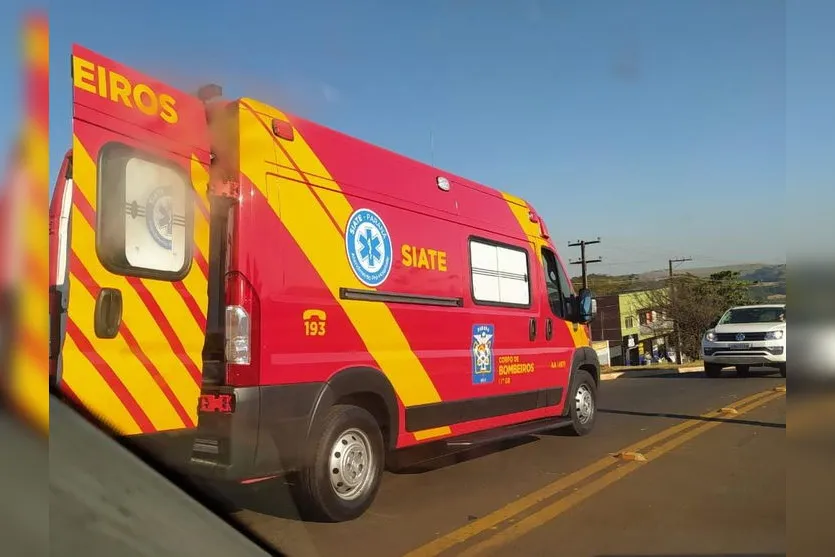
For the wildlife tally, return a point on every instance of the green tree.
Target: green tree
(695, 304)
(728, 288)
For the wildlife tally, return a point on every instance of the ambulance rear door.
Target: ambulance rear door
(136, 249)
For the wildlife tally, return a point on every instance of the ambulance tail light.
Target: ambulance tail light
(242, 331)
(238, 336)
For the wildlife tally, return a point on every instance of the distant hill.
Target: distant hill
(769, 281)
(749, 271)
(767, 273)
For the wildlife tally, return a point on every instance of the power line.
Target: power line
(583, 261)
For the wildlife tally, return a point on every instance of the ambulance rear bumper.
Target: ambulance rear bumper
(261, 432)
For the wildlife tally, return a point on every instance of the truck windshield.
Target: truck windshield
(754, 315)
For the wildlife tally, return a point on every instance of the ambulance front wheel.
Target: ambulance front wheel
(347, 466)
(582, 403)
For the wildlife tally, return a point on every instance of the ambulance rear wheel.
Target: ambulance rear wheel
(347, 466)
(582, 403)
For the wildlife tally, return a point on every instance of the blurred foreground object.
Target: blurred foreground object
(810, 488)
(24, 524)
(24, 199)
(24, 513)
(105, 501)
(813, 314)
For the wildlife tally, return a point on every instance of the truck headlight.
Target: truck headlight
(774, 335)
(710, 336)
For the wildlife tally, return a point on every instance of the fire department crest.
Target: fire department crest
(483, 358)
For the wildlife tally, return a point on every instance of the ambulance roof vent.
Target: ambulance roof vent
(443, 183)
(209, 92)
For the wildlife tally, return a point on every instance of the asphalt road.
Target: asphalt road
(712, 484)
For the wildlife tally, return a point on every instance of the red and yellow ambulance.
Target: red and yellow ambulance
(294, 299)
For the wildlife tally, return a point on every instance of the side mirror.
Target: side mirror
(586, 306)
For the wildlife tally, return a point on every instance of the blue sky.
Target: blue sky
(659, 126)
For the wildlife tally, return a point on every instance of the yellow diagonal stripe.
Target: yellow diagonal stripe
(96, 395)
(136, 318)
(36, 45)
(520, 210)
(36, 139)
(124, 363)
(323, 244)
(30, 386)
(136, 315)
(200, 178)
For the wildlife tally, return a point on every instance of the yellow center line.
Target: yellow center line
(519, 506)
(553, 510)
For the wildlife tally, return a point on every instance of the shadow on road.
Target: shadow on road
(270, 497)
(428, 458)
(693, 555)
(274, 497)
(727, 374)
(675, 416)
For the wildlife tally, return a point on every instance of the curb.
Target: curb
(649, 372)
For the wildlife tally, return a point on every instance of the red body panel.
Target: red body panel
(417, 213)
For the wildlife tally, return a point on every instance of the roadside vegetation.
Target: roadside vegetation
(695, 304)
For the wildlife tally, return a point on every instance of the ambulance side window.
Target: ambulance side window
(557, 284)
(499, 274)
(145, 215)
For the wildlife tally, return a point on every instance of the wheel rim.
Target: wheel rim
(352, 464)
(584, 403)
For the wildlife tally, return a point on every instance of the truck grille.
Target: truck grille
(731, 337)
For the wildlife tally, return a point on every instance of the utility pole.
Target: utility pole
(673, 300)
(583, 261)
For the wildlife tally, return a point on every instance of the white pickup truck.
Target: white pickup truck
(746, 336)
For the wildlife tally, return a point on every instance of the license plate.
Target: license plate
(217, 402)
(739, 346)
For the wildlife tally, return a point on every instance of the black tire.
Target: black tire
(581, 422)
(783, 371)
(713, 370)
(316, 496)
(743, 371)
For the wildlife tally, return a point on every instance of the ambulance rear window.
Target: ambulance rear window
(145, 214)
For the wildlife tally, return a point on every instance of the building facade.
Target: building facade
(636, 333)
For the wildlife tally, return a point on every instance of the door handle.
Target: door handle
(108, 316)
(532, 329)
(549, 328)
